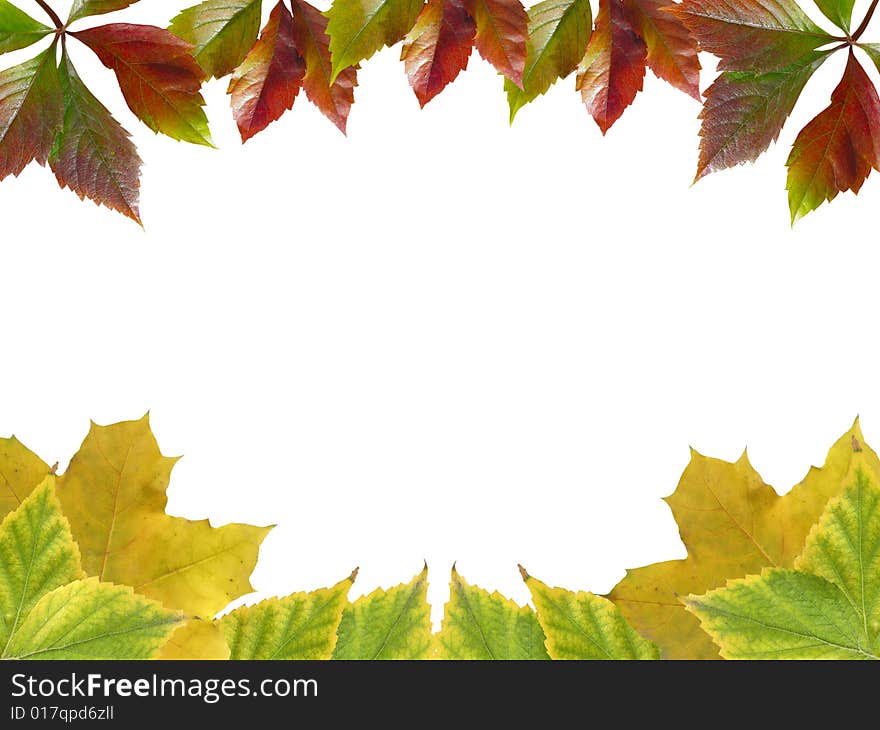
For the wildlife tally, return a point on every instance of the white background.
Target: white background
(442, 337)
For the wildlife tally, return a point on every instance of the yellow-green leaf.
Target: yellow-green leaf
(21, 470)
(196, 638)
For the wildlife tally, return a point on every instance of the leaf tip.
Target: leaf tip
(523, 572)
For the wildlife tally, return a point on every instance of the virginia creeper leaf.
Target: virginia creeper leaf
(873, 51)
(559, 31)
(267, 82)
(93, 155)
(584, 626)
(85, 8)
(359, 28)
(18, 29)
(438, 47)
(30, 112)
(827, 609)
(196, 638)
(333, 96)
(733, 525)
(836, 151)
(113, 493)
(21, 470)
(298, 626)
(502, 35)
(480, 625)
(672, 50)
(158, 76)
(392, 624)
(221, 32)
(611, 73)
(838, 12)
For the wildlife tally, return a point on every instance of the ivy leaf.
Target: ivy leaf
(93, 155)
(584, 626)
(30, 112)
(611, 73)
(221, 32)
(113, 493)
(480, 625)
(86, 8)
(157, 75)
(21, 471)
(559, 31)
(392, 624)
(438, 47)
(333, 95)
(196, 638)
(298, 626)
(267, 83)
(358, 29)
(836, 151)
(502, 35)
(827, 609)
(18, 29)
(733, 525)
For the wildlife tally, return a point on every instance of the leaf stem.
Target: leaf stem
(59, 25)
(864, 24)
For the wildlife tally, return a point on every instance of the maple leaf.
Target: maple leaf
(480, 625)
(558, 37)
(502, 35)
(113, 493)
(18, 29)
(828, 608)
(267, 83)
(49, 610)
(298, 626)
(392, 624)
(584, 626)
(438, 47)
(733, 525)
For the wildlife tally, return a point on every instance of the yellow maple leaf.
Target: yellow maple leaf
(21, 470)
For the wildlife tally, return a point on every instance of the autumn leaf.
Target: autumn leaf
(220, 31)
(584, 626)
(838, 12)
(392, 624)
(157, 75)
(438, 47)
(836, 151)
(195, 639)
(21, 470)
(733, 525)
(502, 35)
(267, 83)
(85, 8)
(482, 625)
(18, 29)
(358, 29)
(93, 155)
(113, 493)
(298, 626)
(829, 608)
(559, 31)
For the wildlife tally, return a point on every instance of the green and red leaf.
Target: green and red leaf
(158, 76)
(268, 81)
(18, 29)
(613, 70)
(838, 149)
(333, 96)
(438, 47)
(86, 8)
(502, 35)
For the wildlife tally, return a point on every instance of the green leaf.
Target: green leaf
(838, 12)
(221, 31)
(86, 8)
(830, 613)
(358, 29)
(298, 626)
(585, 626)
(559, 31)
(393, 624)
(18, 29)
(873, 51)
(480, 625)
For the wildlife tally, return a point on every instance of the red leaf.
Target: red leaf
(437, 49)
(268, 80)
(333, 99)
(612, 72)
(502, 33)
(157, 74)
(836, 151)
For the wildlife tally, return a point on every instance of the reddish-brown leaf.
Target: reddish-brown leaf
(672, 50)
(837, 150)
(613, 69)
(502, 34)
(157, 74)
(335, 98)
(268, 80)
(437, 49)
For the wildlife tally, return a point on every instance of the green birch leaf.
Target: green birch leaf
(18, 29)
